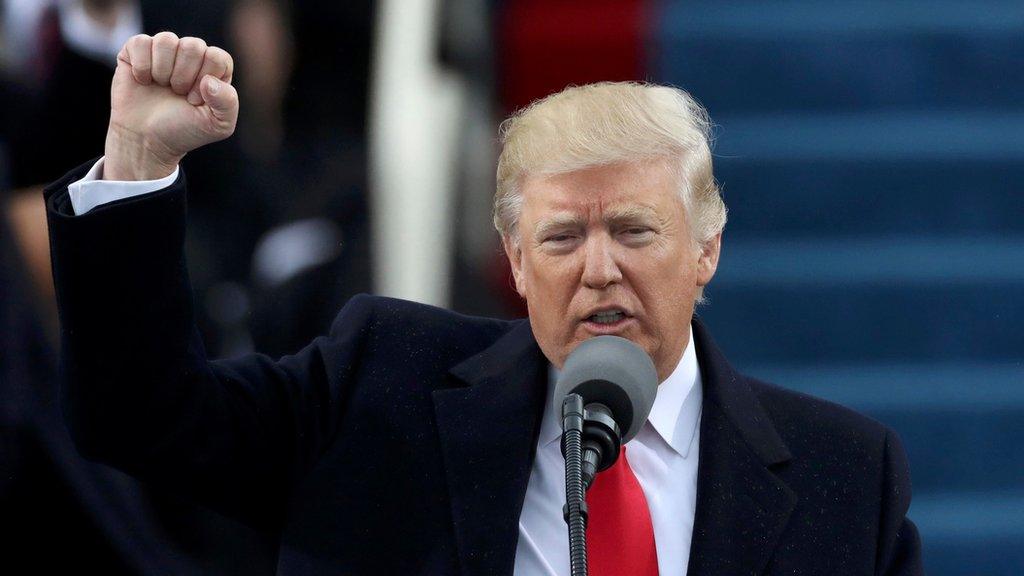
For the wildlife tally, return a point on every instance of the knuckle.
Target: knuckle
(138, 42)
(192, 46)
(165, 40)
(218, 56)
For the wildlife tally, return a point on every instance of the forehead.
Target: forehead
(634, 187)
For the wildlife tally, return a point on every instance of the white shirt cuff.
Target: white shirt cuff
(91, 191)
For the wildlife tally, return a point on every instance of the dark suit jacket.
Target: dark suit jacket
(61, 514)
(401, 443)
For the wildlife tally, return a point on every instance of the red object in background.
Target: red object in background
(546, 45)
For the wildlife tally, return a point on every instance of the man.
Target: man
(417, 441)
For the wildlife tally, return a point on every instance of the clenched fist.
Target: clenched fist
(169, 96)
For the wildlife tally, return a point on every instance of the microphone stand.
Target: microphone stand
(590, 443)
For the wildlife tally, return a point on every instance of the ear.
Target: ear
(707, 263)
(515, 258)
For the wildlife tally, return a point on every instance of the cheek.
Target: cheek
(552, 283)
(667, 290)
(550, 278)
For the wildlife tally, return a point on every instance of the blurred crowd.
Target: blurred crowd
(278, 239)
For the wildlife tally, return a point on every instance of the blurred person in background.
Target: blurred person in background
(62, 513)
(290, 259)
(316, 254)
(71, 46)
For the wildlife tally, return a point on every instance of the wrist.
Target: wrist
(129, 157)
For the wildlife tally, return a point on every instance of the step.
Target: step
(962, 424)
(909, 135)
(870, 173)
(860, 197)
(872, 300)
(737, 56)
(908, 262)
(963, 533)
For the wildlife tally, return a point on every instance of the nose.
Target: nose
(600, 268)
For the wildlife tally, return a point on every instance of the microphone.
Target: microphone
(607, 385)
(616, 382)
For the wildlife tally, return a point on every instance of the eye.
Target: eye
(560, 242)
(636, 234)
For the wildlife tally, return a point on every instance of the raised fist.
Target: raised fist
(169, 96)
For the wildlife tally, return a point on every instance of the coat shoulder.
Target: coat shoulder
(412, 331)
(851, 480)
(809, 424)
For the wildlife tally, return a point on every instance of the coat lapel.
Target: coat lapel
(742, 506)
(488, 423)
(488, 427)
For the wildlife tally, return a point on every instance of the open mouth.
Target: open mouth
(608, 317)
(608, 321)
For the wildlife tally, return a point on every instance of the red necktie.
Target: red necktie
(620, 537)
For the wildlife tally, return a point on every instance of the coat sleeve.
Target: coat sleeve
(899, 546)
(138, 390)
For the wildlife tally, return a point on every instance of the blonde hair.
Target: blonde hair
(604, 123)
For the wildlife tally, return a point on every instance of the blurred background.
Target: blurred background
(870, 154)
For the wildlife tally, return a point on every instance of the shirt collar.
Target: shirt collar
(676, 410)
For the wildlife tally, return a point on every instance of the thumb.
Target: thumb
(221, 97)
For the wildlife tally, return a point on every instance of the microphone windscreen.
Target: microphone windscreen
(615, 372)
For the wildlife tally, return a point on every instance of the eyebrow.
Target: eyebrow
(613, 216)
(629, 213)
(558, 222)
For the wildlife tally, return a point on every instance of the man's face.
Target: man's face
(607, 250)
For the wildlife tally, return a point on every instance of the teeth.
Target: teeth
(607, 317)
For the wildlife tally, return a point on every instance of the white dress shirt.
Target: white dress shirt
(663, 455)
(91, 191)
(664, 458)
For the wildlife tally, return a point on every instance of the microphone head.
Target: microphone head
(615, 372)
